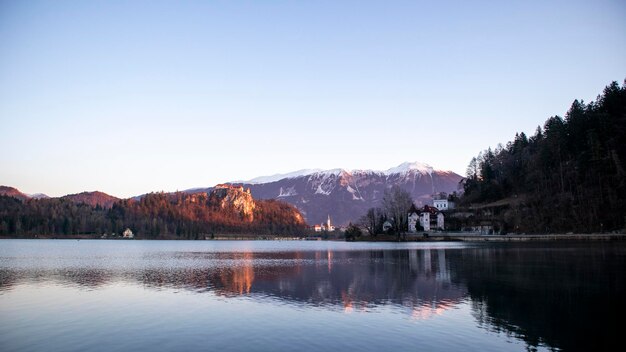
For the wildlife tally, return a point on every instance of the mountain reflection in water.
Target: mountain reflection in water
(418, 279)
(565, 296)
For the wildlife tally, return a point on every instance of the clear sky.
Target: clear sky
(128, 97)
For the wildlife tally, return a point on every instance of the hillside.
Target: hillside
(569, 176)
(93, 198)
(226, 209)
(13, 192)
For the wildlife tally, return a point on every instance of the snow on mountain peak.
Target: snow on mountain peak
(400, 169)
(278, 177)
(335, 172)
(410, 166)
(39, 196)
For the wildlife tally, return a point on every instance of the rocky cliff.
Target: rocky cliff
(234, 198)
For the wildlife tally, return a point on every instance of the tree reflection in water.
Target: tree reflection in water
(567, 296)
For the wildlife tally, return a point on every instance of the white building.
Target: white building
(443, 204)
(425, 220)
(128, 234)
(387, 225)
(328, 226)
(430, 218)
(413, 219)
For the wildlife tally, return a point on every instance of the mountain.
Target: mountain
(92, 198)
(226, 210)
(346, 195)
(278, 177)
(13, 192)
(89, 198)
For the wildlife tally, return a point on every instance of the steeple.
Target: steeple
(328, 222)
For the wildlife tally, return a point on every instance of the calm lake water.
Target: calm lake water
(68, 295)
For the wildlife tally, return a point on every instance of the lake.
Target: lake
(99, 295)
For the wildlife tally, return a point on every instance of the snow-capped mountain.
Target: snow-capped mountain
(402, 168)
(346, 195)
(408, 167)
(278, 177)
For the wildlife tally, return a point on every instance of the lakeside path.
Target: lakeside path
(518, 238)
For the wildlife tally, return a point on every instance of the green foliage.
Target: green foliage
(568, 176)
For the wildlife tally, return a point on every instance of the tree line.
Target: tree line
(155, 215)
(569, 176)
(394, 208)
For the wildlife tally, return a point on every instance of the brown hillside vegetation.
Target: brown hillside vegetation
(93, 198)
(13, 192)
(155, 215)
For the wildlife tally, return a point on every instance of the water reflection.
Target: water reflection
(348, 280)
(564, 296)
(567, 296)
(345, 280)
(237, 279)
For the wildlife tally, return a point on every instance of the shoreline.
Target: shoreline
(220, 237)
(517, 238)
(473, 237)
(431, 237)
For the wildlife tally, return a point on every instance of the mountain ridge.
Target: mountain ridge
(90, 198)
(403, 167)
(93, 198)
(345, 195)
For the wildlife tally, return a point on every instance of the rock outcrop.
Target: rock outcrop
(234, 198)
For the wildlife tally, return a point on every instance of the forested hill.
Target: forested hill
(156, 215)
(569, 176)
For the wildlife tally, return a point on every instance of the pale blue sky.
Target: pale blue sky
(129, 97)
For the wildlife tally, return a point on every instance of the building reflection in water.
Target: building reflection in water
(346, 280)
(350, 280)
(542, 295)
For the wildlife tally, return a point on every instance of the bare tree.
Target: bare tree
(396, 204)
(373, 221)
